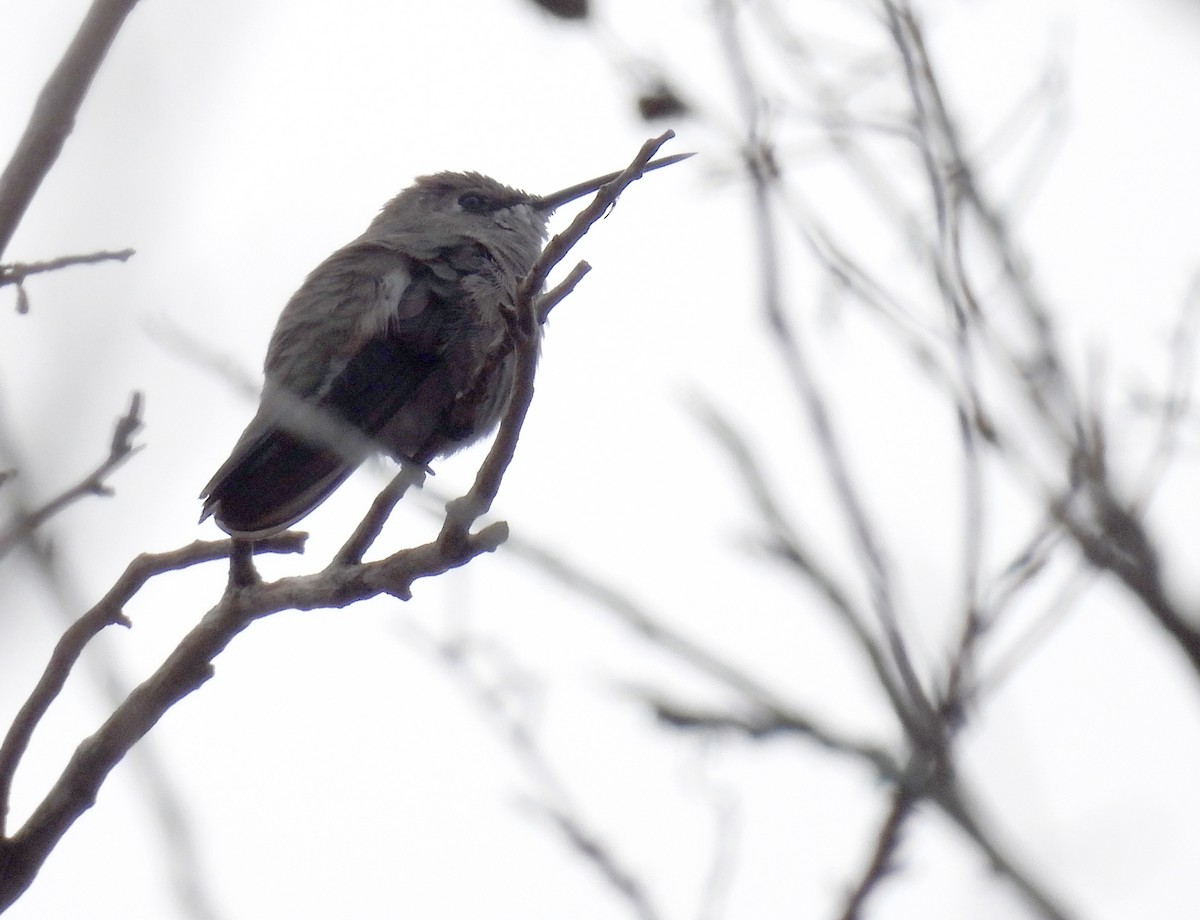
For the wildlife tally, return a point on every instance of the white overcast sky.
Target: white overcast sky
(333, 767)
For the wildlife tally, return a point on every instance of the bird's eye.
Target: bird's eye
(474, 203)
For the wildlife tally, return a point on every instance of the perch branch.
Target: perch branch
(109, 611)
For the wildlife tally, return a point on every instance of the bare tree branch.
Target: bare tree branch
(911, 706)
(552, 800)
(479, 499)
(767, 724)
(596, 854)
(187, 668)
(95, 483)
(17, 272)
(879, 865)
(53, 117)
(931, 722)
(107, 612)
(787, 544)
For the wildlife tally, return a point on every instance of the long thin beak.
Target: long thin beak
(558, 199)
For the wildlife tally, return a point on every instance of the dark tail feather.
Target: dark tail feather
(274, 484)
(276, 478)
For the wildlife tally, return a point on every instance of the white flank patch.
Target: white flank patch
(385, 309)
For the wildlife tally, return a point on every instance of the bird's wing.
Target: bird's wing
(354, 343)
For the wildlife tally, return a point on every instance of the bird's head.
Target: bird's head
(455, 205)
(469, 204)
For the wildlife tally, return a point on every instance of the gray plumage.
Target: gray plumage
(383, 347)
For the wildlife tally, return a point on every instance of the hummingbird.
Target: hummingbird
(388, 346)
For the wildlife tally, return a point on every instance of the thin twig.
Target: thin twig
(1178, 400)
(768, 723)
(53, 117)
(94, 483)
(465, 511)
(772, 712)
(951, 801)
(930, 728)
(596, 854)
(879, 865)
(787, 544)
(562, 243)
(17, 272)
(369, 528)
(911, 706)
(553, 297)
(554, 802)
